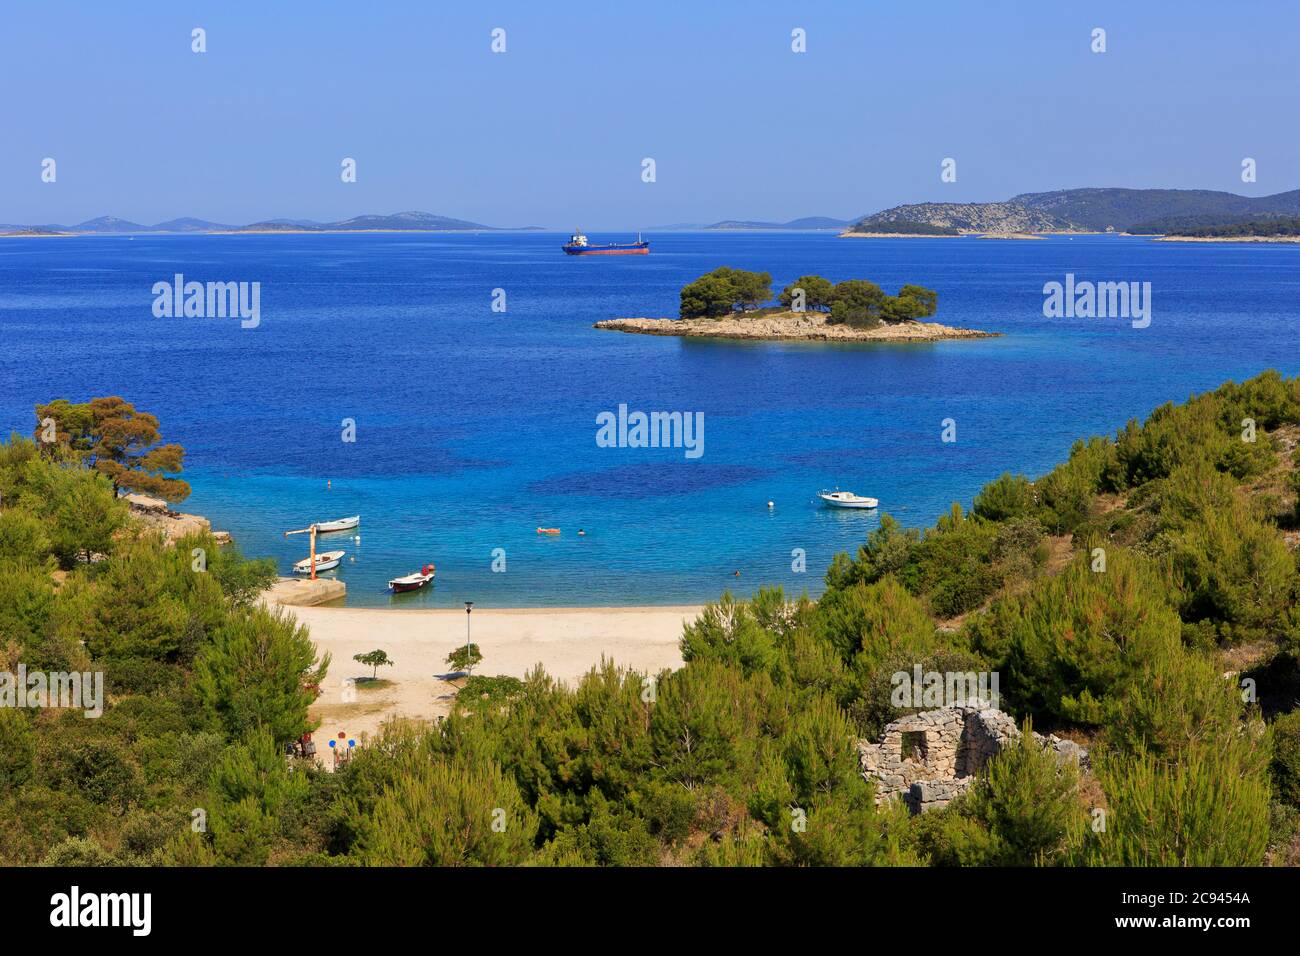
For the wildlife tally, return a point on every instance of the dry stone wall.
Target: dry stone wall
(929, 758)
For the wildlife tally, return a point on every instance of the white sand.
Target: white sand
(568, 642)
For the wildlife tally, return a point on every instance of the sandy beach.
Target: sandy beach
(566, 641)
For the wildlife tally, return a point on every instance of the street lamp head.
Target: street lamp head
(469, 606)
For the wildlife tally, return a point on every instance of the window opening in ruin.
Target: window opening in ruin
(914, 745)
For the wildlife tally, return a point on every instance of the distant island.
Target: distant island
(902, 228)
(1280, 229)
(1132, 211)
(397, 222)
(728, 303)
(803, 224)
(807, 224)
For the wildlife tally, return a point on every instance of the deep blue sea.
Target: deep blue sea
(474, 427)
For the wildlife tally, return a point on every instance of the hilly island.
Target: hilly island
(397, 222)
(1199, 213)
(1134, 211)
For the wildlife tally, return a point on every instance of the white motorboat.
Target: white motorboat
(846, 499)
(339, 524)
(325, 561)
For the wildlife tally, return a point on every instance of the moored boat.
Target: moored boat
(846, 499)
(339, 524)
(579, 246)
(412, 582)
(325, 561)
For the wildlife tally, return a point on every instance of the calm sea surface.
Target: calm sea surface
(474, 427)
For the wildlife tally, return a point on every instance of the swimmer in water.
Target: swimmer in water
(580, 531)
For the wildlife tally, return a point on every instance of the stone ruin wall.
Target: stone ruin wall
(930, 758)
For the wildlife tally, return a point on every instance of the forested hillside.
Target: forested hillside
(1090, 210)
(1141, 598)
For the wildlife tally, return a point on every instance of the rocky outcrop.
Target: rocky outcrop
(174, 525)
(805, 326)
(930, 758)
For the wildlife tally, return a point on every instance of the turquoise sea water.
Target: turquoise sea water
(473, 427)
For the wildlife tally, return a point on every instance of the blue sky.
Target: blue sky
(553, 131)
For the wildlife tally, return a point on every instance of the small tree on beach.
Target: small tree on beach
(375, 660)
(465, 657)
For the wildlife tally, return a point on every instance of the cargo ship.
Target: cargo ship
(579, 246)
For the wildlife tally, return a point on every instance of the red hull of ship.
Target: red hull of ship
(402, 588)
(643, 251)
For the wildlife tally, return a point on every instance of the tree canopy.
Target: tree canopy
(115, 439)
(725, 290)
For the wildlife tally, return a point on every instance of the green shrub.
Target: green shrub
(78, 852)
(729, 632)
(17, 748)
(1065, 494)
(1208, 808)
(449, 813)
(1286, 758)
(1072, 643)
(255, 674)
(888, 550)
(1008, 496)
(1178, 697)
(869, 623)
(1028, 802)
(1229, 567)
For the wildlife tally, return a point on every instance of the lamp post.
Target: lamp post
(469, 606)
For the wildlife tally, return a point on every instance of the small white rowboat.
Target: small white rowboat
(341, 524)
(325, 561)
(846, 499)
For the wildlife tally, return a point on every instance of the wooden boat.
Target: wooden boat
(339, 524)
(412, 582)
(548, 530)
(325, 561)
(846, 499)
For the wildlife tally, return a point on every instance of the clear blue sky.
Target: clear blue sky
(553, 131)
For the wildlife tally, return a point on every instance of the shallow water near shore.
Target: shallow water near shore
(474, 427)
